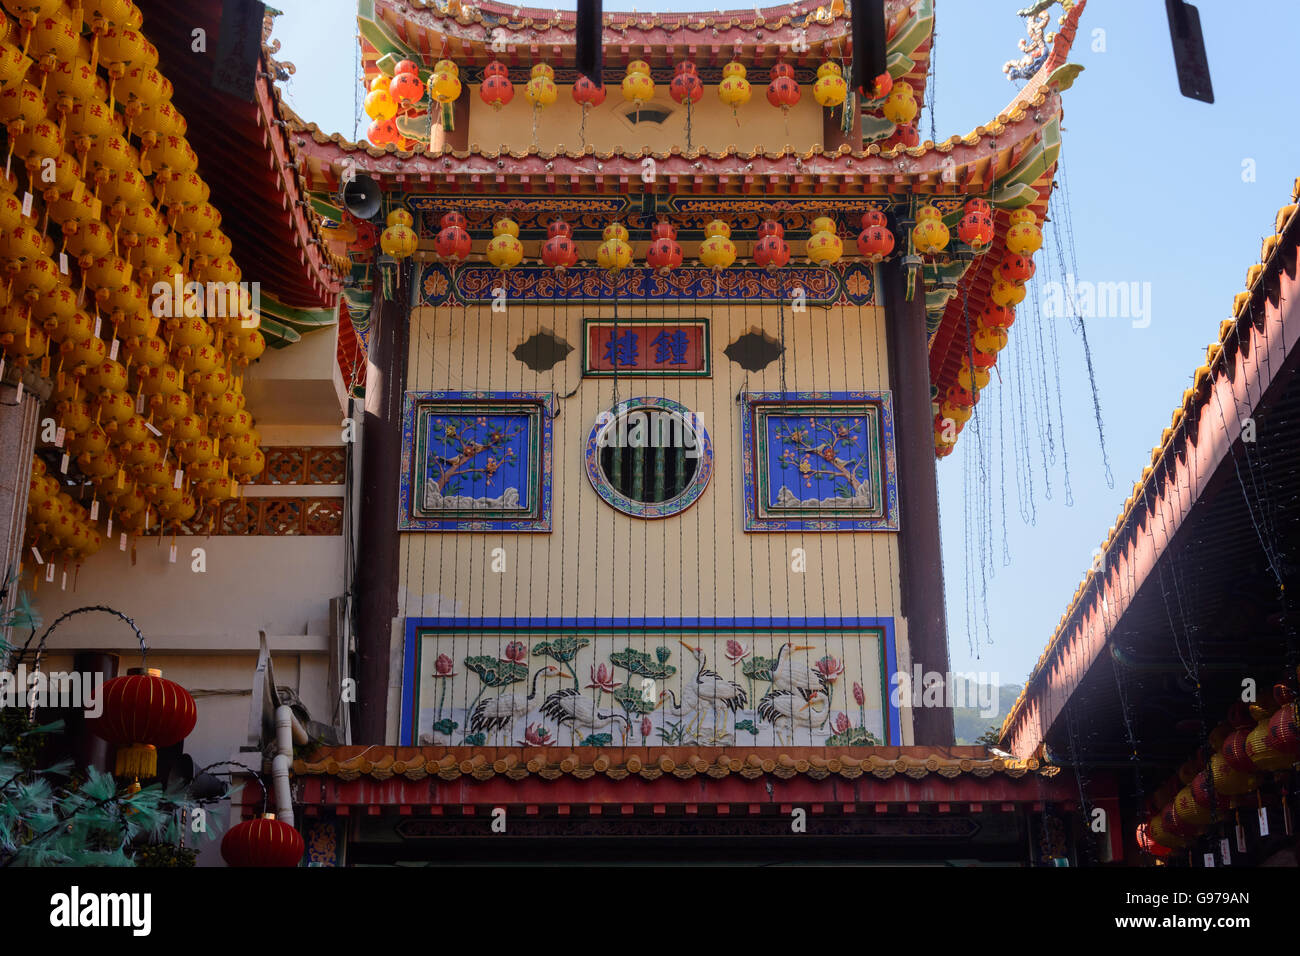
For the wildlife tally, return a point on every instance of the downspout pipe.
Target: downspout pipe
(288, 731)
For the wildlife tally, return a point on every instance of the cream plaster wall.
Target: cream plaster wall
(762, 125)
(599, 562)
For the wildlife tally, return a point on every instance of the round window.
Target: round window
(649, 457)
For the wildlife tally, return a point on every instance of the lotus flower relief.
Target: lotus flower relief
(830, 668)
(859, 695)
(841, 722)
(646, 728)
(444, 667)
(602, 677)
(516, 651)
(736, 651)
(536, 735)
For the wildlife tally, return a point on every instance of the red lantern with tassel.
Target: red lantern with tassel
(783, 91)
(496, 90)
(453, 243)
(997, 316)
(875, 241)
(771, 251)
(976, 226)
(266, 842)
(664, 254)
(587, 94)
(140, 713)
(560, 252)
(1017, 268)
(686, 85)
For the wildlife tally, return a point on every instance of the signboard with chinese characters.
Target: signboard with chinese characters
(646, 348)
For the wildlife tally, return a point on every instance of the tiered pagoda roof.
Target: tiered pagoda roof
(1010, 160)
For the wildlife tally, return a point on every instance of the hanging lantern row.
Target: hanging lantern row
(664, 254)
(150, 407)
(390, 96)
(1256, 740)
(989, 335)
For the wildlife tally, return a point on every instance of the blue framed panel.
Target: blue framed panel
(476, 461)
(819, 461)
(583, 681)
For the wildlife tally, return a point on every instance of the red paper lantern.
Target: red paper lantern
(664, 253)
(875, 241)
(142, 712)
(771, 251)
(383, 132)
(267, 842)
(559, 252)
(997, 316)
(453, 242)
(1284, 726)
(904, 134)
(783, 91)
(976, 225)
(1017, 268)
(587, 93)
(406, 86)
(496, 90)
(686, 85)
(1149, 845)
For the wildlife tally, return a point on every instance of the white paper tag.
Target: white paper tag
(1209, 859)
(109, 532)
(1241, 838)
(63, 262)
(139, 404)
(171, 554)
(63, 464)
(18, 394)
(94, 510)
(64, 585)
(59, 436)
(112, 350)
(121, 544)
(1286, 817)
(150, 426)
(98, 322)
(2, 366)
(1224, 852)
(1263, 821)
(49, 571)
(27, 205)
(37, 555)
(179, 479)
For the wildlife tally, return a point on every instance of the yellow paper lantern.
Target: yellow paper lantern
(1024, 236)
(824, 245)
(734, 90)
(717, 251)
(900, 106)
(638, 85)
(380, 105)
(929, 235)
(614, 254)
(504, 250)
(830, 90)
(540, 89)
(444, 85)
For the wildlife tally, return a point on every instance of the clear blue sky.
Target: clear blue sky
(1156, 195)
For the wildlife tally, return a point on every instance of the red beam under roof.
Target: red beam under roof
(246, 157)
